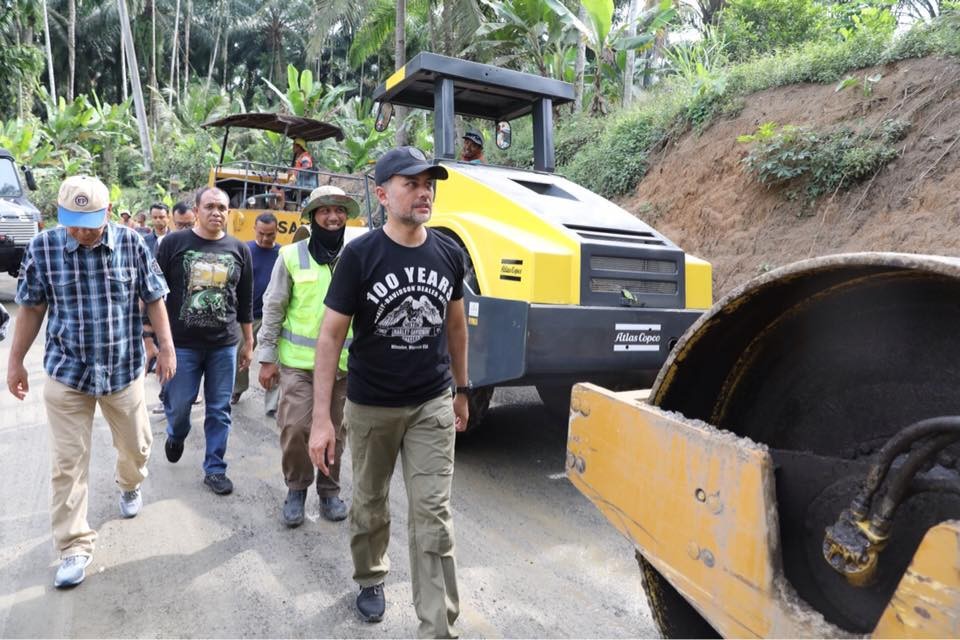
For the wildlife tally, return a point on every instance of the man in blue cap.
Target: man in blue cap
(90, 275)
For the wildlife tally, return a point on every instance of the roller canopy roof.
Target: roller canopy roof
(480, 90)
(291, 126)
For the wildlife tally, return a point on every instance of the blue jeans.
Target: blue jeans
(216, 367)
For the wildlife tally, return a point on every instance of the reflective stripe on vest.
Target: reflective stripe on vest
(301, 325)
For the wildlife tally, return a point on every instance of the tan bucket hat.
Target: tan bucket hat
(331, 195)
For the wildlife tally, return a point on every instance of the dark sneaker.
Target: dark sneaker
(293, 507)
(71, 571)
(219, 483)
(235, 398)
(173, 450)
(333, 509)
(371, 604)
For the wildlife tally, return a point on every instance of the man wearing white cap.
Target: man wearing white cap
(292, 312)
(90, 275)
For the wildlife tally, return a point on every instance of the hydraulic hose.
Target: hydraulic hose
(900, 483)
(895, 446)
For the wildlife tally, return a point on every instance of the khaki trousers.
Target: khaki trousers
(70, 414)
(294, 418)
(424, 437)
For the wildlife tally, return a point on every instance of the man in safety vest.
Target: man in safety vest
(292, 311)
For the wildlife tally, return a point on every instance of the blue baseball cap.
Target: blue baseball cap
(83, 202)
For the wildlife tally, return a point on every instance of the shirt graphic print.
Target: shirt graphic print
(411, 306)
(206, 302)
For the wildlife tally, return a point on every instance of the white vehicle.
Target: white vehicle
(20, 221)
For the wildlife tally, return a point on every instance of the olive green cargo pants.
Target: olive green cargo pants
(424, 437)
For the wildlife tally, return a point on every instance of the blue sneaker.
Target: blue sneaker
(71, 571)
(130, 503)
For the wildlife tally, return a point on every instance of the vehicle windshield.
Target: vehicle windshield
(9, 182)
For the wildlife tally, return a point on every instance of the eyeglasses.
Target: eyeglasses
(183, 225)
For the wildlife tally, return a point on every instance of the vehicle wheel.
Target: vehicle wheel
(674, 616)
(556, 399)
(479, 403)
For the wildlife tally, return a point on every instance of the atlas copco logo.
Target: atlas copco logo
(636, 337)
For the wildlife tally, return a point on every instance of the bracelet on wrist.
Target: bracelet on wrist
(149, 334)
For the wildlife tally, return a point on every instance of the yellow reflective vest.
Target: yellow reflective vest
(301, 324)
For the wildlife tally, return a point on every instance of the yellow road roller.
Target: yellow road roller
(793, 471)
(563, 285)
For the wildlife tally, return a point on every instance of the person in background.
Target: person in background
(210, 306)
(473, 147)
(264, 251)
(141, 224)
(126, 221)
(303, 163)
(184, 217)
(87, 277)
(159, 219)
(292, 312)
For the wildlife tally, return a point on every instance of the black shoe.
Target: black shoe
(235, 398)
(371, 604)
(219, 483)
(173, 450)
(333, 509)
(293, 507)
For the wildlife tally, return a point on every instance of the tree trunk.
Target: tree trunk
(213, 56)
(226, 51)
(171, 87)
(153, 65)
(71, 47)
(400, 58)
(580, 65)
(447, 21)
(135, 85)
(123, 69)
(432, 29)
(46, 36)
(186, 46)
(630, 65)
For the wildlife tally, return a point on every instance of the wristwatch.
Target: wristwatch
(458, 390)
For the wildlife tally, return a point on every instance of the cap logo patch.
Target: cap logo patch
(81, 200)
(416, 153)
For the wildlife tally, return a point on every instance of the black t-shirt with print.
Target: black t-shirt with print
(211, 288)
(398, 299)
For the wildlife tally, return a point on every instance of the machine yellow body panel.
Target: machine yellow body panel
(698, 282)
(927, 601)
(517, 255)
(700, 505)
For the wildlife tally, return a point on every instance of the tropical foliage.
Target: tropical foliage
(72, 110)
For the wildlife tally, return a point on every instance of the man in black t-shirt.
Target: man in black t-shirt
(402, 287)
(210, 305)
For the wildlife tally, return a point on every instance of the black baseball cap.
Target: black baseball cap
(405, 161)
(474, 136)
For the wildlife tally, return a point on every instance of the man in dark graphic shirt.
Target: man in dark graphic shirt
(210, 305)
(402, 287)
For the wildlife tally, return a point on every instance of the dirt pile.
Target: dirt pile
(699, 194)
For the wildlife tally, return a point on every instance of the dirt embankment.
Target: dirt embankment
(698, 193)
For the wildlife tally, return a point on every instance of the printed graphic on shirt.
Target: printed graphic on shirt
(411, 305)
(208, 277)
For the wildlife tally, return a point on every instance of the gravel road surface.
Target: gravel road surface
(536, 559)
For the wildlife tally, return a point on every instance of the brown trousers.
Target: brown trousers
(294, 417)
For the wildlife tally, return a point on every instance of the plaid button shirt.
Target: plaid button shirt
(94, 327)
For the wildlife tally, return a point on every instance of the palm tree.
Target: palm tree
(604, 41)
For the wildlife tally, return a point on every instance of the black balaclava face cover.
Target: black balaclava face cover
(324, 245)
